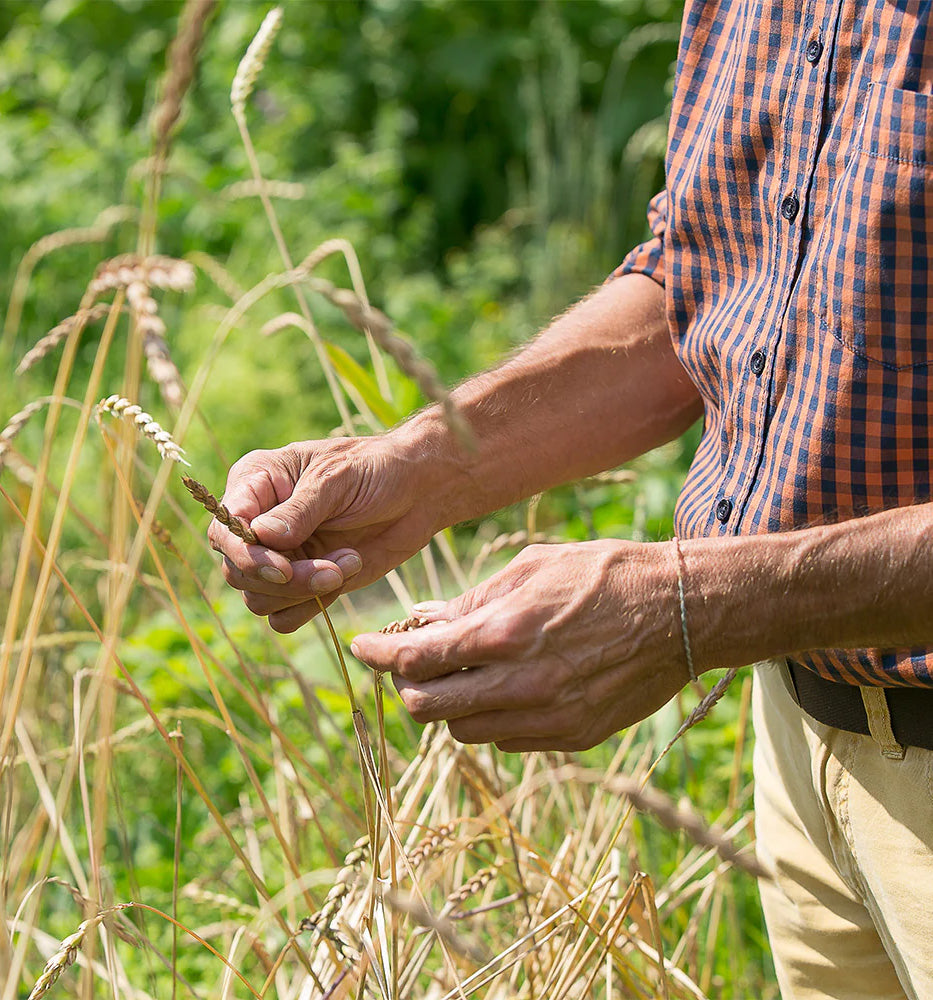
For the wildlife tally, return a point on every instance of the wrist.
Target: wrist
(751, 598)
(440, 469)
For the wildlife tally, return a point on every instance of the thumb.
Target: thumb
(292, 522)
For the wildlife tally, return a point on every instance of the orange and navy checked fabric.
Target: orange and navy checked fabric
(794, 240)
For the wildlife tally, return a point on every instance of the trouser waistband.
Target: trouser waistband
(843, 707)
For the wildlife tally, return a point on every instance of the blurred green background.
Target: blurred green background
(489, 161)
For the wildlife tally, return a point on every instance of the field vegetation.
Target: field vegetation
(215, 240)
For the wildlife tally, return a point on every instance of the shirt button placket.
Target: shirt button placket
(723, 510)
(790, 206)
(813, 51)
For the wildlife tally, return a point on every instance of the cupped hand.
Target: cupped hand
(565, 646)
(331, 516)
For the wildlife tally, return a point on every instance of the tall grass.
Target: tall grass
(191, 805)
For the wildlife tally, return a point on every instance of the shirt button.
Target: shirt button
(723, 510)
(814, 51)
(790, 206)
(757, 362)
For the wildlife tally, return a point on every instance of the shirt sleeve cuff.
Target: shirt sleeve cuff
(648, 257)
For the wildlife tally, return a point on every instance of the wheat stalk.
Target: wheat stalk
(253, 60)
(120, 407)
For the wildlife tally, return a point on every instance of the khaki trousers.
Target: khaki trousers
(847, 835)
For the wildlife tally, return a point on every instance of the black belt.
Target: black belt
(841, 706)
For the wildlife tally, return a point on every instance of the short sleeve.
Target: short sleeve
(648, 258)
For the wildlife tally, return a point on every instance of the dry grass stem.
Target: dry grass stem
(210, 503)
(254, 59)
(121, 407)
(367, 318)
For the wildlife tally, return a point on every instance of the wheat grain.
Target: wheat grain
(210, 503)
(155, 347)
(121, 407)
(59, 333)
(476, 883)
(68, 952)
(431, 845)
(254, 59)
(404, 625)
(324, 921)
(156, 270)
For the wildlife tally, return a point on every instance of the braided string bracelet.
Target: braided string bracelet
(683, 609)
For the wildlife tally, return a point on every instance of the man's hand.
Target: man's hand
(331, 515)
(562, 648)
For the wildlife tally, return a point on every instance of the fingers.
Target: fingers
(291, 619)
(469, 692)
(305, 577)
(486, 635)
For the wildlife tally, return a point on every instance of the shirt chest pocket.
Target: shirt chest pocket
(875, 261)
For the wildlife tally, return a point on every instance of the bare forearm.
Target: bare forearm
(864, 583)
(600, 386)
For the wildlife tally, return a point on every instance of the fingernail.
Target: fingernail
(349, 564)
(427, 607)
(354, 649)
(270, 523)
(325, 580)
(271, 574)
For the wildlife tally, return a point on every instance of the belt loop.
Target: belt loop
(879, 722)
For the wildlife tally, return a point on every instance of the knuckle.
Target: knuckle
(410, 662)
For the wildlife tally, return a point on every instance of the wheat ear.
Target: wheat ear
(68, 952)
(324, 921)
(367, 318)
(253, 60)
(120, 406)
(675, 817)
(210, 503)
(97, 232)
(59, 333)
(182, 59)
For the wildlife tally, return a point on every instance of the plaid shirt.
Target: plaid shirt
(794, 242)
